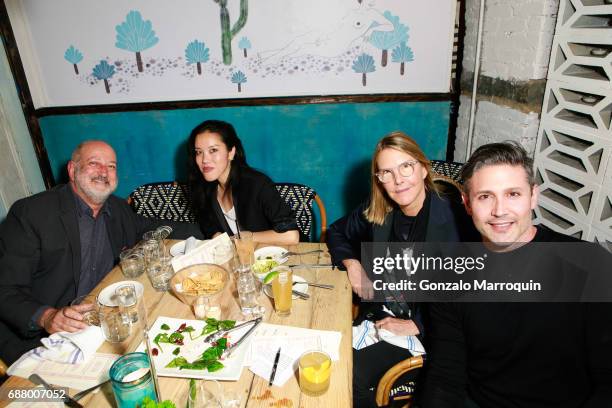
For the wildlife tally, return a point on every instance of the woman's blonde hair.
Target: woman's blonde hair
(380, 203)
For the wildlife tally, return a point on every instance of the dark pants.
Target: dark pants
(12, 346)
(369, 365)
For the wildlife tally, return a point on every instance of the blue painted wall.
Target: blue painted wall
(325, 146)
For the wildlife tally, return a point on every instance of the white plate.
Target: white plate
(179, 248)
(107, 295)
(273, 252)
(194, 348)
(300, 287)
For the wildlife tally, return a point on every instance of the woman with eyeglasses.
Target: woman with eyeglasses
(403, 207)
(229, 195)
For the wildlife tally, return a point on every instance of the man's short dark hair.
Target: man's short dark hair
(510, 153)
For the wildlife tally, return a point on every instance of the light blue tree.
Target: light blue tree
(239, 78)
(363, 65)
(73, 56)
(103, 71)
(244, 44)
(197, 53)
(386, 40)
(135, 35)
(402, 54)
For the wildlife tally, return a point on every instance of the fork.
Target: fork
(291, 253)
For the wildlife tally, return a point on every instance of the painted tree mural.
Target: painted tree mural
(239, 78)
(103, 71)
(197, 53)
(402, 54)
(244, 44)
(364, 64)
(386, 40)
(73, 56)
(135, 35)
(228, 34)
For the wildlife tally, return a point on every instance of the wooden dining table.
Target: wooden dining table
(325, 310)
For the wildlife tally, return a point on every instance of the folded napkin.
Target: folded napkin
(367, 334)
(65, 347)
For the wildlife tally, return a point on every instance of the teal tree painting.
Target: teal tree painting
(364, 64)
(197, 53)
(244, 44)
(386, 40)
(103, 72)
(228, 34)
(402, 54)
(135, 35)
(239, 78)
(73, 56)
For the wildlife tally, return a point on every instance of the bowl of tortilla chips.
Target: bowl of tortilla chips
(200, 280)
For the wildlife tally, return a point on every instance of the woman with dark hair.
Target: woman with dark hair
(404, 206)
(228, 195)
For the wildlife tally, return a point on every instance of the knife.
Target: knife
(326, 266)
(37, 379)
(301, 295)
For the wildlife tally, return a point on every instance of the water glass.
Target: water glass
(127, 299)
(282, 286)
(115, 328)
(248, 292)
(204, 394)
(132, 263)
(151, 252)
(160, 271)
(90, 316)
(130, 394)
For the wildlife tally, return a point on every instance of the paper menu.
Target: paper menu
(264, 363)
(206, 253)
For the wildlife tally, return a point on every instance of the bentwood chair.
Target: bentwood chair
(165, 201)
(392, 390)
(301, 198)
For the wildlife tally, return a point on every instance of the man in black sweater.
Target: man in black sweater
(515, 354)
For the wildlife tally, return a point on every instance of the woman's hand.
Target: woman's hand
(400, 327)
(360, 282)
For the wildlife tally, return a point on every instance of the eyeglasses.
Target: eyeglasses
(405, 169)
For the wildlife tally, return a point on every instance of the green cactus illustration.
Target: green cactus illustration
(228, 34)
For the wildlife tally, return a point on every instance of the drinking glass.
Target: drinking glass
(282, 285)
(114, 326)
(248, 292)
(245, 247)
(127, 299)
(150, 249)
(90, 316)
(204, 394)
(314, 372)
(160, 271)
(132, 263)
(131, 393)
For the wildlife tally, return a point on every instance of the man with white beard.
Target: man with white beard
(58, 244)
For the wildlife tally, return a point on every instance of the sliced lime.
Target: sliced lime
(270, 277)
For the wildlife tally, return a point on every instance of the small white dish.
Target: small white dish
(271, 252)
(302, 286)
(107, 295)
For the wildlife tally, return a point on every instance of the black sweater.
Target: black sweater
(520, 354)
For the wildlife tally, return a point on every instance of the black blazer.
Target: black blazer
(258, 205)
(40, 258)
(447, 222)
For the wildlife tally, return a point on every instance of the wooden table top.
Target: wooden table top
(325, 310)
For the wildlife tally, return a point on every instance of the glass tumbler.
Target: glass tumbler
(131, 393)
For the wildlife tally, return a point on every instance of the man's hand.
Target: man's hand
(68, 318)
(400, 327)
(360, 282)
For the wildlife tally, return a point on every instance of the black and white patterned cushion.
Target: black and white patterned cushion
(300, 198)
(448, 169)
(165, 201)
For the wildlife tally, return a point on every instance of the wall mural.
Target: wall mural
(83, 53)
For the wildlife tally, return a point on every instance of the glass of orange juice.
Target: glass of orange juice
(281, 290)
(315, 372)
